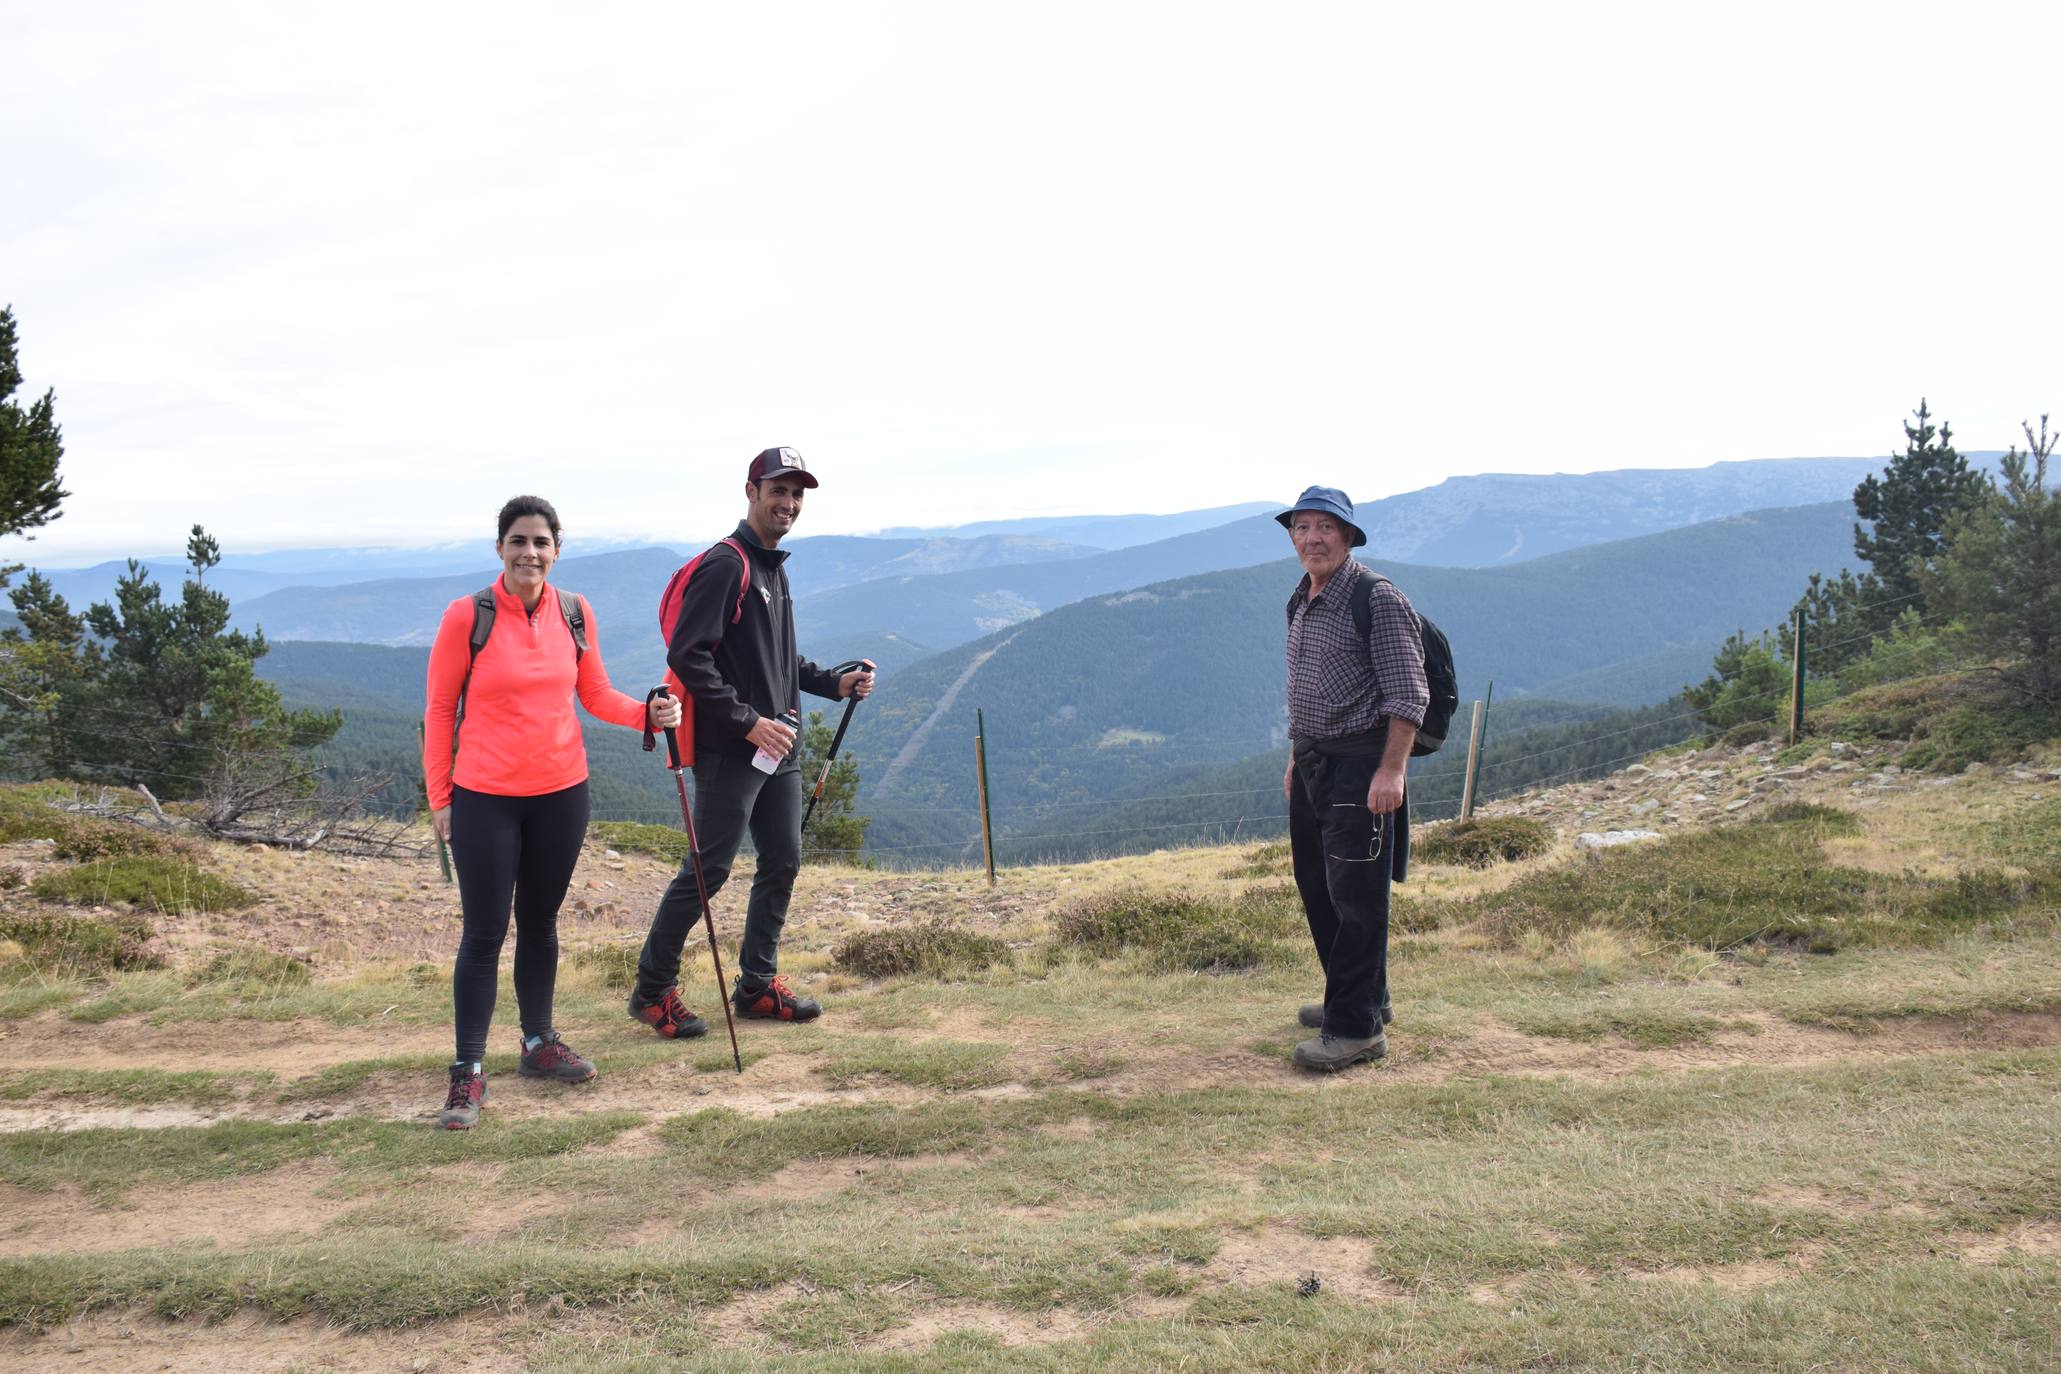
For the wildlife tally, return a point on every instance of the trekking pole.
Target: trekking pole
(836, 740)
(708, 917)
(443, 852)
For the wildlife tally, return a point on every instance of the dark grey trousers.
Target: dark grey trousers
(730, 797)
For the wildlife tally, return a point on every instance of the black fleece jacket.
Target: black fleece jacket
(737, 673)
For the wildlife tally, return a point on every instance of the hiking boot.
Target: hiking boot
(555, 1059)
(461, 1106)
(668, 1016)
(1312, 1014)
(1330, 1053)
(774, 1002)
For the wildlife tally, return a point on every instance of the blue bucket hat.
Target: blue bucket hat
(1326, 501)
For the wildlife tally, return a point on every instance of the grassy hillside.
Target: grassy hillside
(1626, 1121)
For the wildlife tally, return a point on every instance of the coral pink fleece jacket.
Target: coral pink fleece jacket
(520, 737)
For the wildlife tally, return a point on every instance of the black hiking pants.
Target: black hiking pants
(517, 851)
(1341, 853)
(730, 797)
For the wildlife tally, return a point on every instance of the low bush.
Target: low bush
(615, 965)
(635, 837)
(154, 882)
(84, 841)
(72, 945)
(11, 877)
(248, 965)
(1765, 881)
(1482, 841)
(1180, 930)
(935, 948)
(1823, 820)
(1266, 861)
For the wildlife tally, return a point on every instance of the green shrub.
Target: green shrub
(72, 945)
(1820, 819)
(1178, 929)
(12, 877)
(1748, 732)
(248, 965)
(1482, 841)
(935, 948)
(84, 841)
(1267, 861)
(634, 837)
(154, 882)
(616, 965)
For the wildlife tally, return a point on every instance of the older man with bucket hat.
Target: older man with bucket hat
(1356, 694)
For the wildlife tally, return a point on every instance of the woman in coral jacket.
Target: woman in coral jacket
(513, 803)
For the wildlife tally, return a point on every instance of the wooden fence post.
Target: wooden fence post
(980, 758)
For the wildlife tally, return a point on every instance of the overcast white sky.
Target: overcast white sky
(354, 274)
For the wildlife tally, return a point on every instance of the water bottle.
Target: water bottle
(766, 762)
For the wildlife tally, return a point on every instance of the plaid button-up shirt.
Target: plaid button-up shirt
(1338, 686)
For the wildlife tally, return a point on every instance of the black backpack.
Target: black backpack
(1438, 665)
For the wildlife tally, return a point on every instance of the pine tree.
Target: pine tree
(2000, 577)
(159, 693)
(30, 447)
(1910, 504)
(836, 830)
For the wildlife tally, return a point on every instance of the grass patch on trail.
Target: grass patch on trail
(132, 1087)
(151, 882)
(1477, 1181)
(937, 948)
(1767, 880)
(2030, 838)
(107, 1163)
(942, 1064)
(1181, 931)
(1647, 1028)
(1483, 841)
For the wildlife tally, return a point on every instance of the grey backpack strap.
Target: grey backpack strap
(483, 608)
(575, 614)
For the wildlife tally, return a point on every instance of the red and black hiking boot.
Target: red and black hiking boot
(668, 1016)
(774, 1002)
(553, 1058)
(461, 1106)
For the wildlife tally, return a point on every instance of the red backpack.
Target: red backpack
(669, 616)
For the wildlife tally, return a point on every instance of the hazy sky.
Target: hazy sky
(354, 274)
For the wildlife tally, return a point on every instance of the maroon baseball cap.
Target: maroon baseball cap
(780, 462)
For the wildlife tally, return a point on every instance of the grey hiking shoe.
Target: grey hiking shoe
(1330, 1053)
(1312, 1014)
(461, 1104)
(554, 1059)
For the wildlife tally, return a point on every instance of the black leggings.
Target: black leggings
(519, 848)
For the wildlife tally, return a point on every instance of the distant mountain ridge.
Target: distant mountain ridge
(1190, 671)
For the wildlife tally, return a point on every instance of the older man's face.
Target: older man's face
(1320, 542)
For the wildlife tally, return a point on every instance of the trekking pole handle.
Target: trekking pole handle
(672, 736)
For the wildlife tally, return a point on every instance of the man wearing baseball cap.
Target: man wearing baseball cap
(1356, 694)
(734, 653)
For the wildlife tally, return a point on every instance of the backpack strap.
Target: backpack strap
(1363, 608)
(744, 582)
(484, 608)
(575, 612)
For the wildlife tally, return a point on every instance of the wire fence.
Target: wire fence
(1256, 821)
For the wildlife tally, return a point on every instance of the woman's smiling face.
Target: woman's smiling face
(527, 552)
